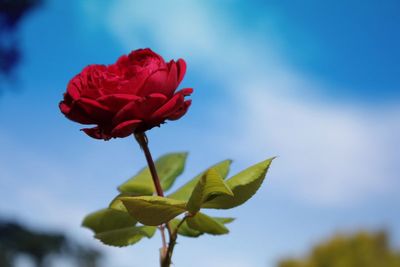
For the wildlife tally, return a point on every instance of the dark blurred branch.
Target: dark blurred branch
(16, 240)
(12, 13)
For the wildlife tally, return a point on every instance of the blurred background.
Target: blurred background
(315, 83)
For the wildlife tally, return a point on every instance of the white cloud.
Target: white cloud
(172, 24)
(330, 153)
(33, 186)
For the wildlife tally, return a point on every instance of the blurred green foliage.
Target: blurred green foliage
(363, 249)
(17, 240)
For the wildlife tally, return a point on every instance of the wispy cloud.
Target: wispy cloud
(330, 153)
(34, 185)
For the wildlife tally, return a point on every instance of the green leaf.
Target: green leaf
(126, 236)
(149, 230)
(168, 167)
(205, 224)
(115, 227)
(116, 203)
(184, 229)
(210, 184)
(153, 210)
(224, 220)
(186, 190)
(107, 220)
(243, 185)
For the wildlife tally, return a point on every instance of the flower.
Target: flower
(130, 96)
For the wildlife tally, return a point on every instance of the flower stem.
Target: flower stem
(143, 142)
(172, 243)
(165, 253)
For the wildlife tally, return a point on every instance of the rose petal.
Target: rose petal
(91, 79)
(134, 81)
(65, 109)
(96, 133)
(173, 105)
(152, 102)
(140, 109)
(186, 91)
(128, 112)
(73, 87)
(122, 61)
(145, 54)
(181, 70)
(155, 83)
(168, 108)
(72, 113)
(93, 132)
(116, 101)
(178, 114)
(172, 83)
(125, 128)
(94, 110)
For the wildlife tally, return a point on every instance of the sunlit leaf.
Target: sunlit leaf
(206, 224)
(126, 236)
(153, 210)
(224, 220)
(116, 228)
(168, 167)
(184, 192)
(243, 185)
(116, 203)
(210, 184)
(107, 220)
(184, 229)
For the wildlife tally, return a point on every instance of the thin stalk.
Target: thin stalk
(172, 243)
(143, 142)
(165, 257)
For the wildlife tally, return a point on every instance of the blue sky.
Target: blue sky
(351, 44)
(316, 84)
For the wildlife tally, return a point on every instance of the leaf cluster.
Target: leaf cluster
(136, 212)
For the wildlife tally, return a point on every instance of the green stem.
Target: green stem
(165, 257)
(172, 243)
(143, 142)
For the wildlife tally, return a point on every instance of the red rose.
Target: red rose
(133, 95)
